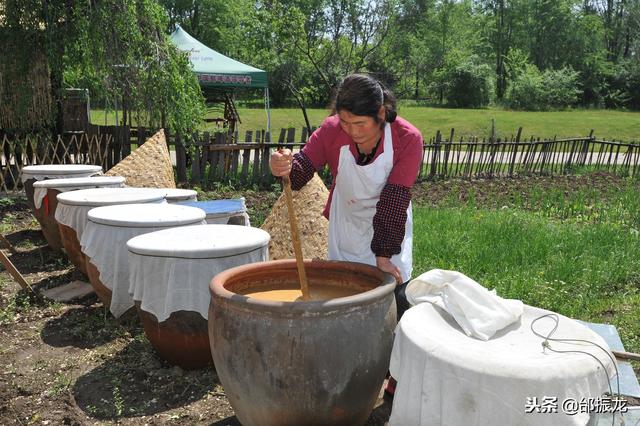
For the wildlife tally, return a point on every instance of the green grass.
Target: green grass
(574, 255)
(607, 124)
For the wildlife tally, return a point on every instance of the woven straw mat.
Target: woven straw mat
(313, 227)
(149, 166)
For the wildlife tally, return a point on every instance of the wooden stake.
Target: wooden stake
(8, 244)
(626, 355)
(14, 272)
(295, 238)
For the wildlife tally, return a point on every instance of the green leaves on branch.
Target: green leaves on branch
(118, 50)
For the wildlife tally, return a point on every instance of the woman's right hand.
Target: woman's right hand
(280, 162)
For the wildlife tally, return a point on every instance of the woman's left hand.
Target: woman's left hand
(387, 265)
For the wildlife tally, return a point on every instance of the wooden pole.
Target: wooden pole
(8, 244)
(626, 355)
(14, 272)
(295, 238)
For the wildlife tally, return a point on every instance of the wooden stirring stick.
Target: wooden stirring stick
(295, 238)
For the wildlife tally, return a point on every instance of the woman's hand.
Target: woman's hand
(387, 265)
(280, 162)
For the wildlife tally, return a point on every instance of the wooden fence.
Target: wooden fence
(32, 149)
(206, 158)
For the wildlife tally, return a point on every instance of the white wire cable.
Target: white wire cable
(546, 345)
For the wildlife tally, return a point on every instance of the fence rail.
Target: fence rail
(205, 158)
(17, 152)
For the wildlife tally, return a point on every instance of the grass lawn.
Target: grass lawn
(607, 124)
(570, 251)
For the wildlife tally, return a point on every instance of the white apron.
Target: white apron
(353, 206)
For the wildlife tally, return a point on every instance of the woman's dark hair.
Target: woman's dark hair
(361, 94)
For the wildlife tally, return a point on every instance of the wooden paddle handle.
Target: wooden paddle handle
(295, 238)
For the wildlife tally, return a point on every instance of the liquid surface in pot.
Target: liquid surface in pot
(318, 292)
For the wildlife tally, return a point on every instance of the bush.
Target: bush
(560, 88)
(525, 91)
(624, 87)
(468, 85)
(535, 91)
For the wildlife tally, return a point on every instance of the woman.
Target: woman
(374, 157)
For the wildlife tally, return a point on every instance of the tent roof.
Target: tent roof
(214, 69)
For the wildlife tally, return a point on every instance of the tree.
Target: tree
(336, 37)
(116, 49)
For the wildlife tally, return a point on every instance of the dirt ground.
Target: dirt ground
(74, 364)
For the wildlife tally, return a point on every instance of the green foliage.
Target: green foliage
(118, 50)
(536, 91)
(625, 85)
(469, 84)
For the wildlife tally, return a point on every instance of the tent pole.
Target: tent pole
(266, 102)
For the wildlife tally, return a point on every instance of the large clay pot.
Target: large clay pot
(32, 174)
(71, 245)
(103, 292)
(45, 213)
(104, 244)
(222, 212)
(178, 195)
(181, 340)
(48, 223)
(311, 362)
(28, 190)
(81, 201)
(170, 271)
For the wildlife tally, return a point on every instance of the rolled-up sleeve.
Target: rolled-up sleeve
(390, 219)
(302, 171)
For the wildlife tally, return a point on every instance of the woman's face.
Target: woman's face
(364, 130)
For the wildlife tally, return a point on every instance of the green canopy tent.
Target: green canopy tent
(217, 71)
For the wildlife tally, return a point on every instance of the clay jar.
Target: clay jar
(170, 271)
(304, 362)
(227, 211)
(72, 209)
(32, 174)
(178, 195)
(104, 243)
(45, 200)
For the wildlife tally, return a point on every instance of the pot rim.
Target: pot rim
(218, 291)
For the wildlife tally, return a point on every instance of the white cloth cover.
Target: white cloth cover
(39, 193)
(447, 378)
(168, 284)
(479, 312)
(243, 219)
(106, 248)
(59, 171)
(75, 217)
(176, 195)
(355, 196)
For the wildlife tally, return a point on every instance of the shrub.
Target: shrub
(535, 91)
(525, 91)
(624, 87)
(468, 84)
